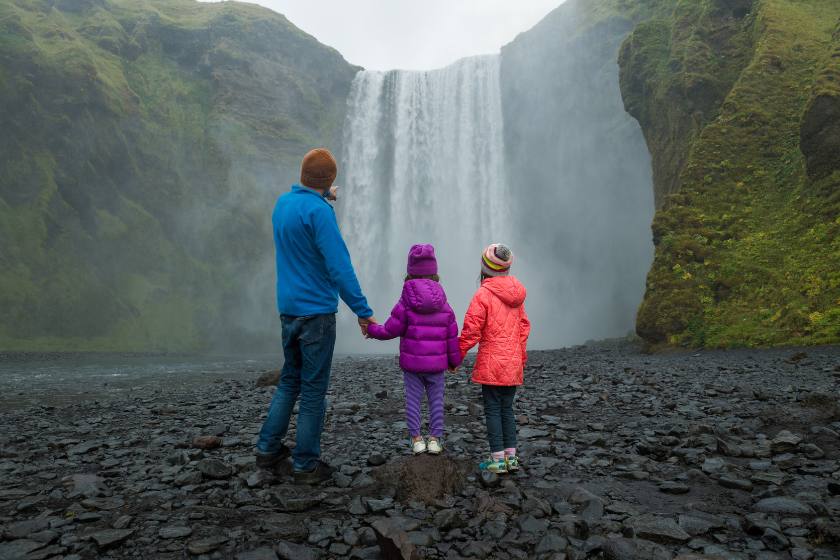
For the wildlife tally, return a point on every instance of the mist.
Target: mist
(531, 148)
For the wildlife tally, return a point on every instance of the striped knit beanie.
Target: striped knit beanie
(496, 260)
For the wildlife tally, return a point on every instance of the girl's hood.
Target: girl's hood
(506, 288)
(424, 296)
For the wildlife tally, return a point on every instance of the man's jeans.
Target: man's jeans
(308, 344)
(498, 413)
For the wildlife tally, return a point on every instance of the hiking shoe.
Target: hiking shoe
(433, 446)
(320, 473)
(493, 465)
(418, 447)
(512, 463)
(268, 460)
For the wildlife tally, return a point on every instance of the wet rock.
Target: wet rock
(671, 487)
(774, 540)
(22, 529)
(626, 508)
(394, 543)
(357, 507)
(13, 550)
(214, 469)
(97, 490)
(447, 519)
(421, 538)
(783, 505)
(699, 523)
(269, 379)
(291, 551)
(785, 442)
(79, 481)
(424, 477)
(376, 459)
(362, 481)
(813, 452)
(728, 448)
(728, 481)
(297, 505)
(174, 532)
(83, 448)
(194, 477)
(551, 543)
(635, 549)
(592, 510)
(206, 443)
(582, 495)
(527, 524)
(489, 479)
(257, 554)
(657, 529)
(261, 478)
(111, 538)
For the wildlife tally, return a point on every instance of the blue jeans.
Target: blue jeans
(308, 344)
(498, 413)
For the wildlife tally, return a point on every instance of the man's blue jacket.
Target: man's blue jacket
(313, 263)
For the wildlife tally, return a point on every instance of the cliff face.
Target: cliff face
(144, 144)
(738, 103)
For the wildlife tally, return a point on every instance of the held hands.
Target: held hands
(363, 324)
(453, 369)
(332, 195)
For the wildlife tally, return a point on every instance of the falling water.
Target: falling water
(424, 163)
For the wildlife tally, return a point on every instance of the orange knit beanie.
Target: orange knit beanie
(318, 170)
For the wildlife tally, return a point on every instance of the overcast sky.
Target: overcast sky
(416, 34)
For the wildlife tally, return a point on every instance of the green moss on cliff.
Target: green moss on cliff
(143, 145)
(747, 251)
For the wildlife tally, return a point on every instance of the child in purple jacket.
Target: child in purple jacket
(428, 344)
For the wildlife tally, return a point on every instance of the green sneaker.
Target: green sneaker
(493, 465)
(512, 463)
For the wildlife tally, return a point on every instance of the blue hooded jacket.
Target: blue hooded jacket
(313, 263)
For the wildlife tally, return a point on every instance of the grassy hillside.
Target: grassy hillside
(740, 108)
(143, 145)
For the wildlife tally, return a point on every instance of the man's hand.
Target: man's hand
(332, 195)
(363, 323)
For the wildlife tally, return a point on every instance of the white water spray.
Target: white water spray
(424, 163)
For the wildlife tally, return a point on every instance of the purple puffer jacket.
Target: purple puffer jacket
(427, 327)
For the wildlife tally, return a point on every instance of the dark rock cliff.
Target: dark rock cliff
(738, 103)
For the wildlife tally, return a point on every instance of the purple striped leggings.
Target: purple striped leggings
(415, 383)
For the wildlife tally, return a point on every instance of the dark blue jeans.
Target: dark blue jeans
(308, 344)
(498, 413)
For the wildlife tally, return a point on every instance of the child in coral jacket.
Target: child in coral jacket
(496, 321)
(428, 344)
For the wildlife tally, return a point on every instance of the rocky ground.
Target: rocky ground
(730, 455)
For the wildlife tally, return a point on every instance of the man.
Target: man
(313, 270)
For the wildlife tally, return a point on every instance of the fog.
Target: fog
(531, 148)
(383, 34)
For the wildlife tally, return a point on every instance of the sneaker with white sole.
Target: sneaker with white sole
(418, 447)
(512, 463)
(493, 465)
(433, 446)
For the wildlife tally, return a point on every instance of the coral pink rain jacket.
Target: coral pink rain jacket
(496, 321)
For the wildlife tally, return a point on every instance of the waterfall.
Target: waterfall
(533, 149)
(423, 163)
